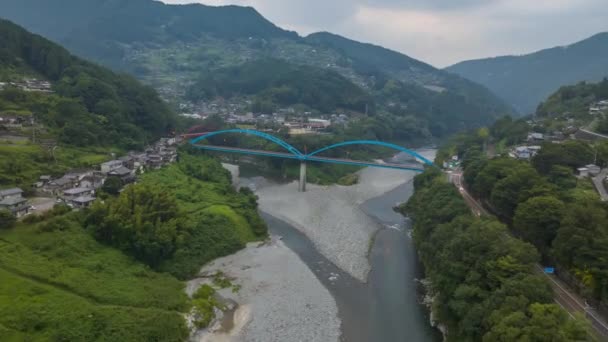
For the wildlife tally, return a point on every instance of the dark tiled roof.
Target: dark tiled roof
(8, 192)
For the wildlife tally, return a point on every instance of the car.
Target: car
(33, 207)
(461, 189)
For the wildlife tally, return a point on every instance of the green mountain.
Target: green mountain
(100, 29)
(90, 105)
(177, 48)
(571, 106)
(280, 83)
(525, 81)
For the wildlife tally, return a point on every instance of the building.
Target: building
(593, 169)
(16, 205)
(57, 186)
(94, 181)
(71, 194)
(536, 137)
(111, 165)
(583, 172)
(522, 152)
(125, 174)
(155, 161)
(10, 193)
(82, 201)
(320, 122)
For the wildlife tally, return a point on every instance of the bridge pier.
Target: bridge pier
(302, 185)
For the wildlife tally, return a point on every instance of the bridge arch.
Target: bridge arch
(373, 142)
(263, 135)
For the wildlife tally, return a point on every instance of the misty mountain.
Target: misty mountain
(173, 47)
(525, 81)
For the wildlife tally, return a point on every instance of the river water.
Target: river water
(386, 308)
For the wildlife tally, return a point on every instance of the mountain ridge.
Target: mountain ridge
(171, 46)
(526, 80)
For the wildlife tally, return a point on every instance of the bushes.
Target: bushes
(204, 303)
(7, 220)
(180, 217)
(482, 278)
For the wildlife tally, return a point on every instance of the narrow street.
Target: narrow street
(563, 295)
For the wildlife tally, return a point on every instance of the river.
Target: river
(386, 307)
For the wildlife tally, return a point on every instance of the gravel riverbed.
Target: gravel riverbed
(331, 216)
(280, 298)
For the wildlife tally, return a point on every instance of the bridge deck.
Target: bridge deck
(409, 167)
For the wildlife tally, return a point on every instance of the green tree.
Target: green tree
(521, 184)
(7, 219)
(538, 220)
(581, 245)
(539, 323)
(112, 185)
(142, 221)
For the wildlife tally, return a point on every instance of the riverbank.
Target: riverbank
(313, 284)
(331, 217)
(279, 298)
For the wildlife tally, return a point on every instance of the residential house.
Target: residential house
(128, 161)
(110, 165)
(125, 174)
(593, 169)
(82, 201)
(16, 205)
(71, 194)
(155, 161)
(57, 186)
(522, 152)
(536, 136)
(583, 172)
(169, 155)
(94, 181)
(10, 193)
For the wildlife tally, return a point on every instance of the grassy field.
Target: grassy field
(63, 285)
(21, 164)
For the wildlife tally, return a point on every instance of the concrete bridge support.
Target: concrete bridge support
(302, 186)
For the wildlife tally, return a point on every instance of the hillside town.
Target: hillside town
(78, 188)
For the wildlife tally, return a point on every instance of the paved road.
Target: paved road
(563, 296)
(598, 181)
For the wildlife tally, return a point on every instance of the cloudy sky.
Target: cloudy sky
(440, 32)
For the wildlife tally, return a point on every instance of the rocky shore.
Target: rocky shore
(279, 298)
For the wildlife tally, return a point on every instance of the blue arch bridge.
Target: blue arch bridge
(293, 153)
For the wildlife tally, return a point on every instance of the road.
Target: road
(598, 181)
(563, 295)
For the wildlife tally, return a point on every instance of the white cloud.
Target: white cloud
(440, 32)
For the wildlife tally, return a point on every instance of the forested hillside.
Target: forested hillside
(97, 29)
(542, 201)
(115, 271)
(525, 81)
(173, 46)
(275, 83)
(89, 105)
(483, 279)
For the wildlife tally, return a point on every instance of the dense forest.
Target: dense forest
(483, 280)
(116, 268)
(90, 105)
(275, 83)
(524, 81)
(545, 204)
